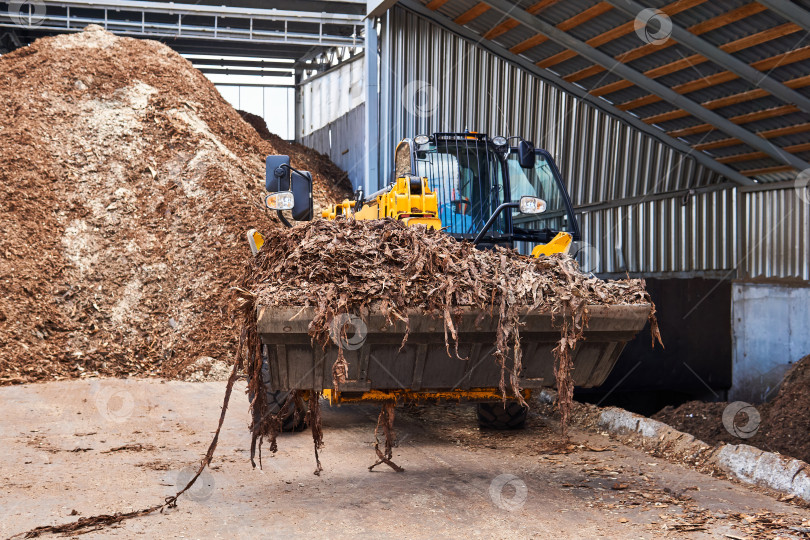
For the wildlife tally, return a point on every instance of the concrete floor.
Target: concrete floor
(107, 445)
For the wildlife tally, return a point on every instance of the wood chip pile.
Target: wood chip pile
(126, 186)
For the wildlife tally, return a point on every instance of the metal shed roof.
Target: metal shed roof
(731, 79)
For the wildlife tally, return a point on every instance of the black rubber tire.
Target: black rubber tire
(276, 400)
(511, 415)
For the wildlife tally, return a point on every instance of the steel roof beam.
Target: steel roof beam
(640, 80)
(238, 71)
(790, 11)
(233, 63)
(723, 59)
(200, 33)
(172, 8)
(579, 92)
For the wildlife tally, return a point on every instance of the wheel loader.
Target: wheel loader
(474, 188)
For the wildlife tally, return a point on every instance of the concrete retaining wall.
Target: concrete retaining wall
(770, 331)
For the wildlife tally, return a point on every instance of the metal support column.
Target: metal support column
(372, 140)
(298, 120)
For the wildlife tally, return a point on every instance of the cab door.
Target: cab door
(543, 180)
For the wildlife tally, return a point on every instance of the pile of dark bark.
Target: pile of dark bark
(784, 423)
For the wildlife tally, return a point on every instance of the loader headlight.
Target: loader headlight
(499, 141)
(532, 205)
(281, 200)
(421, 139)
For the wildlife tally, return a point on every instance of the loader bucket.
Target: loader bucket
(423, 365)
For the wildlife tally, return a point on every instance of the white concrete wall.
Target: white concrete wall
(770, 330)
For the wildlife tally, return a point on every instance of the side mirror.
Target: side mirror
(280, 177)
(526, 154)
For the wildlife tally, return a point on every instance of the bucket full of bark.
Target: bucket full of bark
(375, 309)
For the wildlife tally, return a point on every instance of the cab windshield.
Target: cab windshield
(540, 181)
(468, 179)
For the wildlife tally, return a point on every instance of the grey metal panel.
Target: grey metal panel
(790, 11)
(294, 359)
(664, 236)
(652, 86)
(701, 46)
(343, 140)
(600, 157)
(776, 233)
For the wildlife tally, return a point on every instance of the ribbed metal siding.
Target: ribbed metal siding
(776, 234)
(343, 141)
(331, 96)
(665, 236)
(601, 158)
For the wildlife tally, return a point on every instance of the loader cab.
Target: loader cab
(469, 179)
(473, 175)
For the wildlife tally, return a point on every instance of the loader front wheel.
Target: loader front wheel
(502, 416)
(277, 399)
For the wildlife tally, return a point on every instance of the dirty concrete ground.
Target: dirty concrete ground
(73, 449)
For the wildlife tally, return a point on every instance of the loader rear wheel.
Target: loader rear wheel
(277, 399)
(509, 415)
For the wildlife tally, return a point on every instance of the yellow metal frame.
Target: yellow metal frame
(561, 243)
(401, 202)
(421, 207)
(410, 396)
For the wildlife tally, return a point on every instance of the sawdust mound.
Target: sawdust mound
(349, 266)
(127, 183)
(784, 422)
(308, 159)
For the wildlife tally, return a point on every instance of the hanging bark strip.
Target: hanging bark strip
(314, 421)
(386, 420)
(573, 327)
(100, 521)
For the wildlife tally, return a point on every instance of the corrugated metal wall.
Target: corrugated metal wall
(343, 141)
(776, 233)
(602, 159)
(667, 236)
(328, 96)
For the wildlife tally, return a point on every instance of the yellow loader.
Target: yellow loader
(474, 188)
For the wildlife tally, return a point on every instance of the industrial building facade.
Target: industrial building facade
(720, 228)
